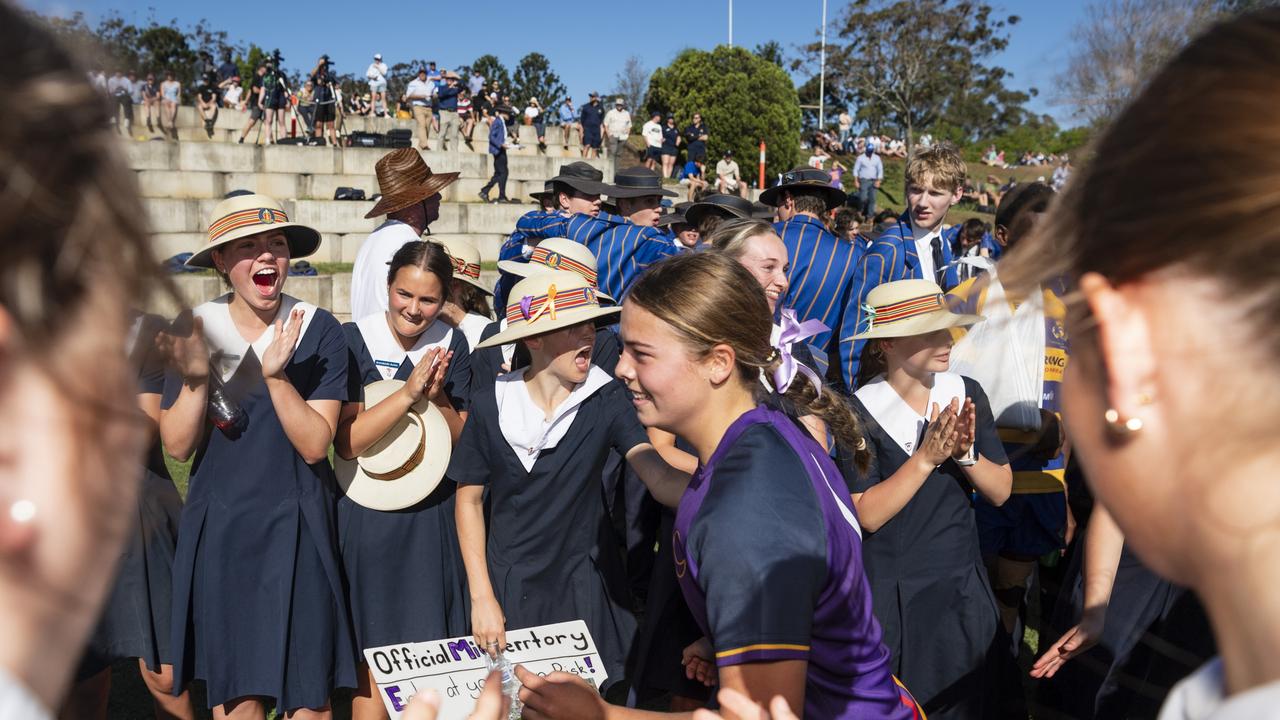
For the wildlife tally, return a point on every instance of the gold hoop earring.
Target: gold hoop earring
(1121, 427)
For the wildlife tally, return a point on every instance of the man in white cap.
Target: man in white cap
(377, 75)
(617, 126)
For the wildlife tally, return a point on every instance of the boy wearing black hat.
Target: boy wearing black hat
(822, 265)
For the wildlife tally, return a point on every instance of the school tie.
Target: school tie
(939, 271)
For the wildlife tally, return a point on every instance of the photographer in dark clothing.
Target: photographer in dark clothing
(326, 99)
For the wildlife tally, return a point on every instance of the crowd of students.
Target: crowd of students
(851, 459)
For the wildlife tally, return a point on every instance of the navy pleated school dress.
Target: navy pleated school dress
(928, 582)
(390, 605)
(258, 607)
(135, 620)
(552, 554)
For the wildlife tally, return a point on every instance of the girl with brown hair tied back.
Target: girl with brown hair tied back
(1172, 394)
(768, 550)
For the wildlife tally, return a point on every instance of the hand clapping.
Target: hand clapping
(277, 355)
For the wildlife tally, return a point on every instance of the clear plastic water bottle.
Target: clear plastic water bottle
(510, 683)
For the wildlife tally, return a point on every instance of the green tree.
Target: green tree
(908, 63)
(534, 78)
(743, 99)
(493, 71)
(771, 51)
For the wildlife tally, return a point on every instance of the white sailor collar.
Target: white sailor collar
(525, 426)
(1202, 696)
(228, 347)
(900, 422)
(387, 353)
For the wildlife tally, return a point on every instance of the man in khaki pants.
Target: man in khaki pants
(418, 95)
(449, 122)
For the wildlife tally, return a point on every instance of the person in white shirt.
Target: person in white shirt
(728, 177)
(617, 126)
(418, 95)
(411, 202)
(652, 133)
(377, 76)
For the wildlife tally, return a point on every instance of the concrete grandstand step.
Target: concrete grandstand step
(196, 185)
(235, 158)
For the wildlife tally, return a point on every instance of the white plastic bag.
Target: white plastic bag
(1005, 354)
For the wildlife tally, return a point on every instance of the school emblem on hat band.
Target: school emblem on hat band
(530, 307)
(245, 218)
(556, 261)
(462, 267)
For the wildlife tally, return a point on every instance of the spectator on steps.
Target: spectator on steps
(151, 102)
(450, 124)
(568, 121)
(728, 177)
(138, 95)
(418, 95)
(326, 101)
(652, 132)
(592, 118)
(170, 96)
(533, 116)
(207, 102)
(254, 103)
(617, 126)
(499, 141)
(121, 91)
(411, 202)
(670, 147)
(466, 115)
(307, 106)
(475, 83)
(377, 76)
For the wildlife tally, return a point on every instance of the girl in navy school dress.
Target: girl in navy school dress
(767, 545)
(408, 342)
(258, 606)
(933, 443)
(536, 441)
(135, 620)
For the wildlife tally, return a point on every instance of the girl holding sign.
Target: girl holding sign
(396, 532)
(258, 606)
(768, 551)
(933, 443)
(537, 440)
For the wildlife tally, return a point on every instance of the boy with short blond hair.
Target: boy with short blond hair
(916, 248)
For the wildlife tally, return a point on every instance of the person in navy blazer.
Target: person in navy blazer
(917, 247)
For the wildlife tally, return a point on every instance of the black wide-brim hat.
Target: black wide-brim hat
(637, 182)
(548, 192)
(582, 177)
(718, 204)
(807, 180)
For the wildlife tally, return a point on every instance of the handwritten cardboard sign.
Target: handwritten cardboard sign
(456, 667)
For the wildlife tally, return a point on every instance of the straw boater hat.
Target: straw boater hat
(404, 179)
(904, 308)
(466, 260)
(808, 180)
(251, 214)
(406, 464)
(547, 302)
(558, 253)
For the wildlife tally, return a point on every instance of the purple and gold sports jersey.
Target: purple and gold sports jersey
(769, 556)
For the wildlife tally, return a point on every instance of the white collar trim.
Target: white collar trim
(900, 422)
(225, 342)
(525, 426)
(387, 353)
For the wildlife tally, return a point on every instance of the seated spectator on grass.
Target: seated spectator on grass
(819, 158)
(728, 178)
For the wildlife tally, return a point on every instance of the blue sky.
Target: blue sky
(585, 43)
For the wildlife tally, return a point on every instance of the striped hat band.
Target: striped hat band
(899, 311)
(245, 218)
(532, 307)
(462, 267)
(557, 261)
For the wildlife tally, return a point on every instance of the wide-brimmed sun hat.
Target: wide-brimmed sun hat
(558, 253)
(807, 180)
(465, 258)
(904, 308)
(406, 464)
(582, 177)
(547, 302)
(725, 206)
(637, 182)
(405, 179)
(245, 215)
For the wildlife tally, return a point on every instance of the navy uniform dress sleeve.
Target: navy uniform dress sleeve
(625, 430)
(471, 459)
(987, 444)
(761, 587)
(331, 359)
(457, 382)
(607, 350)
(355, 378)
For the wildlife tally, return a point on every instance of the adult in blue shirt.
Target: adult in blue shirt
(592, 119)
(624, 244)
(576, 189)
(568, 121)
(821, 264)
(447, 97)
(868, 173)
(498, 149)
